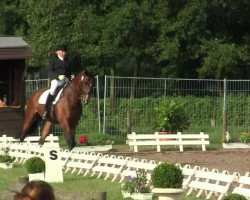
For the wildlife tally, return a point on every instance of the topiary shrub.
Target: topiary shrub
(6, 159)
(35, 165)
(234, 197)
(167, 175)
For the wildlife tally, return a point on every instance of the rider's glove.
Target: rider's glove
(72, 77)
(61, 77)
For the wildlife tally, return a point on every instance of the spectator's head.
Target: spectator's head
(36, 190)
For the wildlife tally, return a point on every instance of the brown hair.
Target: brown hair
(20, 196)
(36, 190)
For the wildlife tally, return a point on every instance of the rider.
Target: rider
(60, 73)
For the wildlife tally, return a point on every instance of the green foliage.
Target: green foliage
(234, 197)
(244, 137)
(102, 139)
(167, 175)
(6, 159)
(35, 165)
(222, 59)
(171, 116)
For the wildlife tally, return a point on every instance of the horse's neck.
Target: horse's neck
(72, 90)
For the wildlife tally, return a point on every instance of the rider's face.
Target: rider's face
(61, 53)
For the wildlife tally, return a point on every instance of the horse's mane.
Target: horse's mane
(84, 72)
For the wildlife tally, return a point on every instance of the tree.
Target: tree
(51, 23)
(170, 38)
(11, 18)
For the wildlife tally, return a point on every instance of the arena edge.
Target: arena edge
(244, 139)
(236, 145)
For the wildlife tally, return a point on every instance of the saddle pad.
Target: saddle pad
(43, 97)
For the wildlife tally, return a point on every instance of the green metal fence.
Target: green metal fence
(127, 104)
(213, 106)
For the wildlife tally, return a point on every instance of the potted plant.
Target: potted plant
(171, 116)
(137, 187)
(36, 168)
(167, 181)
(6, 161)
(234, 197)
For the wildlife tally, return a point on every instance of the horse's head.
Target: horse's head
(84, 80)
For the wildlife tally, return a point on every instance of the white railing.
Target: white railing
(159, 140)
(210, 184)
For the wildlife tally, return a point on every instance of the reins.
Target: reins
(77, 86)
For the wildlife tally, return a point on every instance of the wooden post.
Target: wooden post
(128, 122)
(225, 110)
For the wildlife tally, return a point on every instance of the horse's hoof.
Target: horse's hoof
(40, 142)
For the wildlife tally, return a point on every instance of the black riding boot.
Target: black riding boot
(47, 106)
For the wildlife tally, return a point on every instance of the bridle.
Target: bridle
(86, 94)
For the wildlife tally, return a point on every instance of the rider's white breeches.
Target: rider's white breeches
(53, 86)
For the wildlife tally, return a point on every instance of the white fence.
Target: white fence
(159, 140)
(50, 141)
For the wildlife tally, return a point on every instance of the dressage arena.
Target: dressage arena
(114, 165)
(232, 160)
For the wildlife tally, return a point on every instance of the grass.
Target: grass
(73, 183)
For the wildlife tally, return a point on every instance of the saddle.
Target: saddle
(43, 97)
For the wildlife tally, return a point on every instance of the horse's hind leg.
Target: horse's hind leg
(46, 130)
(30, 124)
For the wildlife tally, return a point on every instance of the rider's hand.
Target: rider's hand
(72, 77)
(61, 77)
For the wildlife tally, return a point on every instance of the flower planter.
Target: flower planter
(142, 196)
(6, 165)
(138, 196)
(168, 193)
(236, 145)
(36, 176)
(93, 148)
(126, 194)
(164, 133)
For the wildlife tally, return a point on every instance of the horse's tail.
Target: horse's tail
(30, 128)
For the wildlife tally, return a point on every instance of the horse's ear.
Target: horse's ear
(87, 73)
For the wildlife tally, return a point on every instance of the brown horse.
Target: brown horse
(67, 110)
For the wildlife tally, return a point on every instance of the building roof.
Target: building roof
(10, 42)
(13, 48)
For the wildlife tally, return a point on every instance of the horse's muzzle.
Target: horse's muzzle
(86, 99)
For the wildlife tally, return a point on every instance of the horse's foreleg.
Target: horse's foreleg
(46, 130)
(69, 133)
(72, 141)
